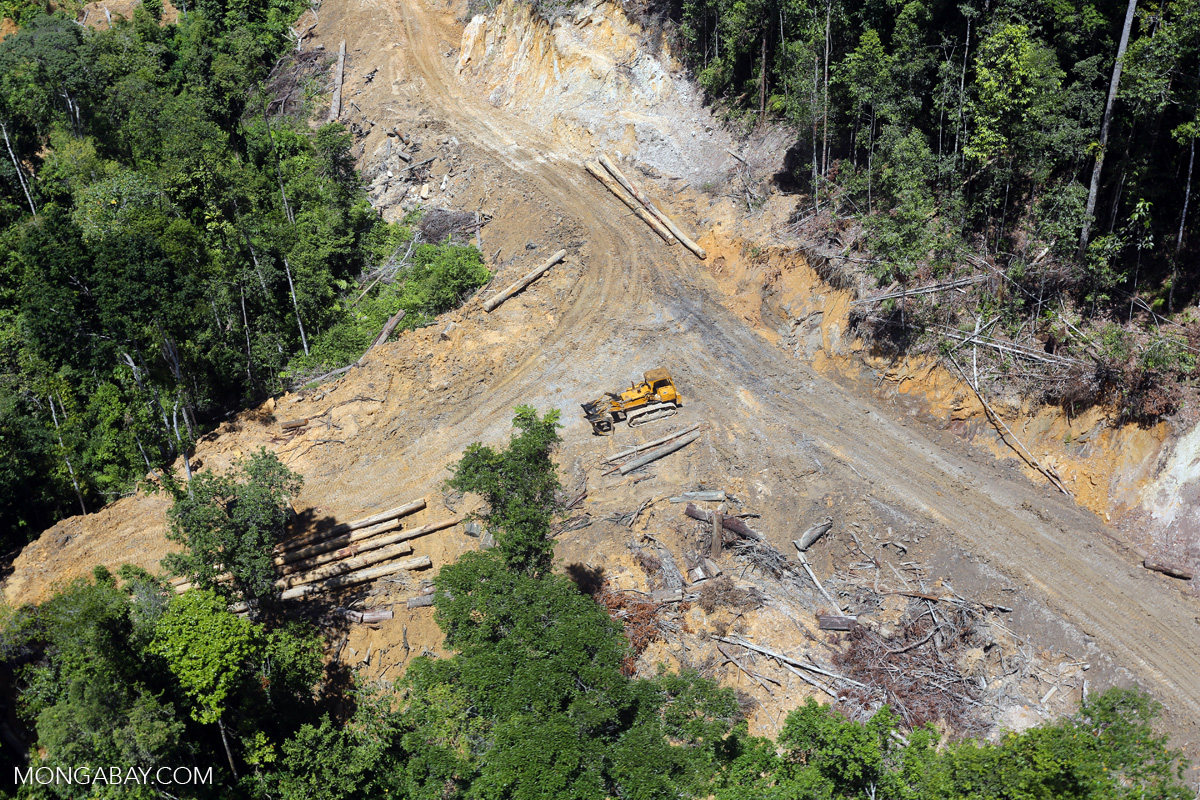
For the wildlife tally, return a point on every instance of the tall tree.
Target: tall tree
(1105, 123)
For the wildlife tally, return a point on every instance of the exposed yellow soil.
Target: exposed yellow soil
(801, 422)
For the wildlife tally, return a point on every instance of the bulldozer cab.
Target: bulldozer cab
(657, 378)
(659, 383)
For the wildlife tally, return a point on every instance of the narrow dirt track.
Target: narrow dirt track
(637, 297)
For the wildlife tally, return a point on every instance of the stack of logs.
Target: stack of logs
(348, 554)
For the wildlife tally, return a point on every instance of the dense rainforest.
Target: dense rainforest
(1045, 148)
(117, 675)
(176, 241)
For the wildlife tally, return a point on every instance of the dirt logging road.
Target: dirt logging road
(797, 442)
(639, 303)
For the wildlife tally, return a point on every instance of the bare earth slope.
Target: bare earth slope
(623, 303)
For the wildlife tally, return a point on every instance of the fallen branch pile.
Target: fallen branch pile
(916, 669)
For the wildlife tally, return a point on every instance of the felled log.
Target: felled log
(706, 497)
(424, 601)
(346, 527)
(828, 622)
(667, 595)
(1172, 570)
(335, 103)
(304, 553)
(599, 174)
(654, 455)
(729, 523)
(363, 535)
(529, 277)
(369, 615)
(374, 543)
(630, 187)
(639, 448)
(360, 576)
(294, 423)
(383, 334)
(345, 565)
(810, 536)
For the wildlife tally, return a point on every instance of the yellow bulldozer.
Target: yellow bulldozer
(652, 399)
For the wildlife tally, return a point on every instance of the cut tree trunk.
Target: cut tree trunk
(345, 540)
(810, 536)
(352, 578)
(383, 334)
(827, 622)
(374, 543)
(362, 535)
(729, 523)
(346, 527)
(345, 565)
(638, 448)
(670, 225)
(367, 616)
(654, 455)
(718, 535)
(490, 304)
(335, 104)
(741, 529)
(1173, 570)
(614, 187)
(717, 496)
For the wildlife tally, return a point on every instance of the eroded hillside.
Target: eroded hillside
(796, 427)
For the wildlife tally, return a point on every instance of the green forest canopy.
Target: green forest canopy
(176, 243)
(974, 137)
